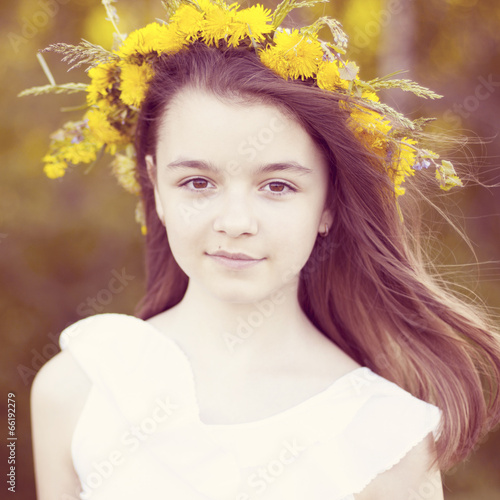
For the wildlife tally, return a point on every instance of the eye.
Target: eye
(279, 188)
(197, 184)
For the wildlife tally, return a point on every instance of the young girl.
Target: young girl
(291, 343)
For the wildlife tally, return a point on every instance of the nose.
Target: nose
(236, 217)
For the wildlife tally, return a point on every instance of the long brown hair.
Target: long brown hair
(365, 286)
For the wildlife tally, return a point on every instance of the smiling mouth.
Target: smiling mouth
(232, 256)
(234, 260)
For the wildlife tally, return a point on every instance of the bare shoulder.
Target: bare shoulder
(411, 478)
(58, 395)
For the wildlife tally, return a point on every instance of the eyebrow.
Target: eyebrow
(291, 166)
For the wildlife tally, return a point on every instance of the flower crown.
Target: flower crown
(120, 78)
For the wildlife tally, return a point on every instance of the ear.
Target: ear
(150, 164)
(325, 222)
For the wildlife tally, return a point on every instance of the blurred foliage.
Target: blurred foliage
(61, 241)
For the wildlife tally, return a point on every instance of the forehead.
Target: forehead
(200, 125)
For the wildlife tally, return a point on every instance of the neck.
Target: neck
(243, 333)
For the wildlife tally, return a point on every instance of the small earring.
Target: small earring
(325, 232)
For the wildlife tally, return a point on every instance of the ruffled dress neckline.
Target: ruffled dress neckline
(338, 384)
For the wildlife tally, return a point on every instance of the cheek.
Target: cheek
(294, 229)
(302, 217)
(183, 246)
(186, 228)
(294, 235)
(305, 230)
(185, 210)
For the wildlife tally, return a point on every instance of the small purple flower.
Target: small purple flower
(419, 165)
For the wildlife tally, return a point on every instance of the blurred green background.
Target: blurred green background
(62, 241)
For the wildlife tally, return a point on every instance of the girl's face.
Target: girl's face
(241, 189)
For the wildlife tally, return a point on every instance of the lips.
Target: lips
(232, 256)
(234, 261)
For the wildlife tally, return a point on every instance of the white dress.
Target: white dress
(140, 435)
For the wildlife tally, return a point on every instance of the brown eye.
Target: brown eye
(199, 183)
(277, 187)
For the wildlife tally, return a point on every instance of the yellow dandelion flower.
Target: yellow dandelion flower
(141, 41)
(303, 53)
(274, 60)
(206, 5)
(328, 77)
(170, 41)
(188, 21)
(371, 128)
(102, 79)
(251, 22)
(106, 106)
(367, 120)
(152, 38)
(134, 83)
(102, 130)
(286, 40)
(217, 26)
(123, 167)
(294, 55)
